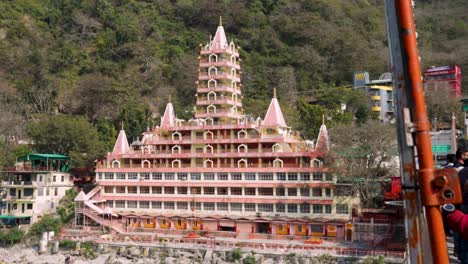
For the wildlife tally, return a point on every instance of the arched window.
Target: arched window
(209, 121)
(145, 164)
(208, 135)
(145, 150)
(208, 164)
(212, 83)
(115, 164)
(242, 148)
(211, 109)
(213, 58)
(233, 84)
(234, 97)
(176, 136)
(212, 71)
(234, 109)
(232, 46)
(233, 59)
(277, 148)
(233, 72)
(316, 163)
(207, 46)
(277, 163)
(176, 164)
(208, 149)
(242, 134)
(242, 163)
(176, 149)
(211, 96)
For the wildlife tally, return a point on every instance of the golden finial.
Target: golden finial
(220, 21)
(122, 125)
(323, 119)
(274, 92)
(170, 99)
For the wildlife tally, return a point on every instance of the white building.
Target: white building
(34, 187)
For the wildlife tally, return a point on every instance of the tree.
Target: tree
(66, 207)
(46, 224)
(11, 236)
(364, 155)
(441, 103)
(68, 135)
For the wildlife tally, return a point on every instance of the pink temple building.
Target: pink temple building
(222, 172)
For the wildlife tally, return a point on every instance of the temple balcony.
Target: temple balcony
(222, 63)
(186, 154)
(220, 88)
(219, 113)
(218, 102)
(223, 140)
(241, 125)
(206, 76)
(234, 52)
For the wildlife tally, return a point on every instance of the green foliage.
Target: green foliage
(249, 260)
(67, 245)
(11, 236)
(236, 254)
(326, 259)
(136, 119)
(66, 207)
(68, 135)
(377, 260)
(45, 224)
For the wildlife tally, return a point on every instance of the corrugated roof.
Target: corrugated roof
(39, 156)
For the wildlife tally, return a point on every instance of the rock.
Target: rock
(109, 259)
(184, 260)
(170, 260)
(134, 252)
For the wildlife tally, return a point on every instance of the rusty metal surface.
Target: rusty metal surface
(411, 198)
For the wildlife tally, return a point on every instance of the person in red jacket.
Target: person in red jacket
(457, 220)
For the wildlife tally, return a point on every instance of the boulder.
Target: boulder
(134, 252)
(170, 260)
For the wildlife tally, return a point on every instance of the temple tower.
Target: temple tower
(218, 92)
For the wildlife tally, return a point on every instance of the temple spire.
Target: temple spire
(274, 116)
(219, 40)
(168, 119)
(121, 144)
(322, 138)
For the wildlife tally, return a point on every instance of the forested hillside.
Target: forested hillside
(100, 62)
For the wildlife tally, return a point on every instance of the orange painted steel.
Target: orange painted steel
(422, 136)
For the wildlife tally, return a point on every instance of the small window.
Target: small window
(132, 176)
(223, 176)
(209, 190)
(208, 176)
(292, 191)
(131, 189)
(169, 176)
(63, 178)
(156, 205)
(250, 191)
(182, 190)
(145, 176)
(342, 209)
(131, 204)
(56, 191)
(107, 176)
(47, 192)
(328, 208)
(29, 206)
(181, 176)
(280, 208)
(208, 206)
(317, 176)
(236, 176)
(222, 206)
(222, 190)
(281, 176)
(250, 207)
(144, 204)
(236, 191)
(317, 192)
(144, 189)
(317, 209)
(328, 177)
(280, 192)
(109, 189)
(120, 176)
(327, 192)
(156, 190)
(195, 190)
(120, 189)
(292, 176)
(305, 192)
(305, 208)
(168, 205)
(292, 208)
(237, 207)
(182, 206)
(250, 176)
(265, 207)
(169, 190)
(265, 191)
(195, 176)
(305, 176)
(54, 178)
(265, 176)
(157, 176)
(120, 204)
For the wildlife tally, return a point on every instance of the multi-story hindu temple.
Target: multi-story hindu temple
(222, 172)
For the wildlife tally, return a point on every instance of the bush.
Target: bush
(67, 245)
(249, 260)
(236, 254)
(46, 224)
(11, 236)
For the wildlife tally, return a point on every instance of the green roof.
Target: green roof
(43, 157)
(12, 217)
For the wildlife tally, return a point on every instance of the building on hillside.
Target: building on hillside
(380, 92)
(34, 187)
(221, 172)
(443, 78)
